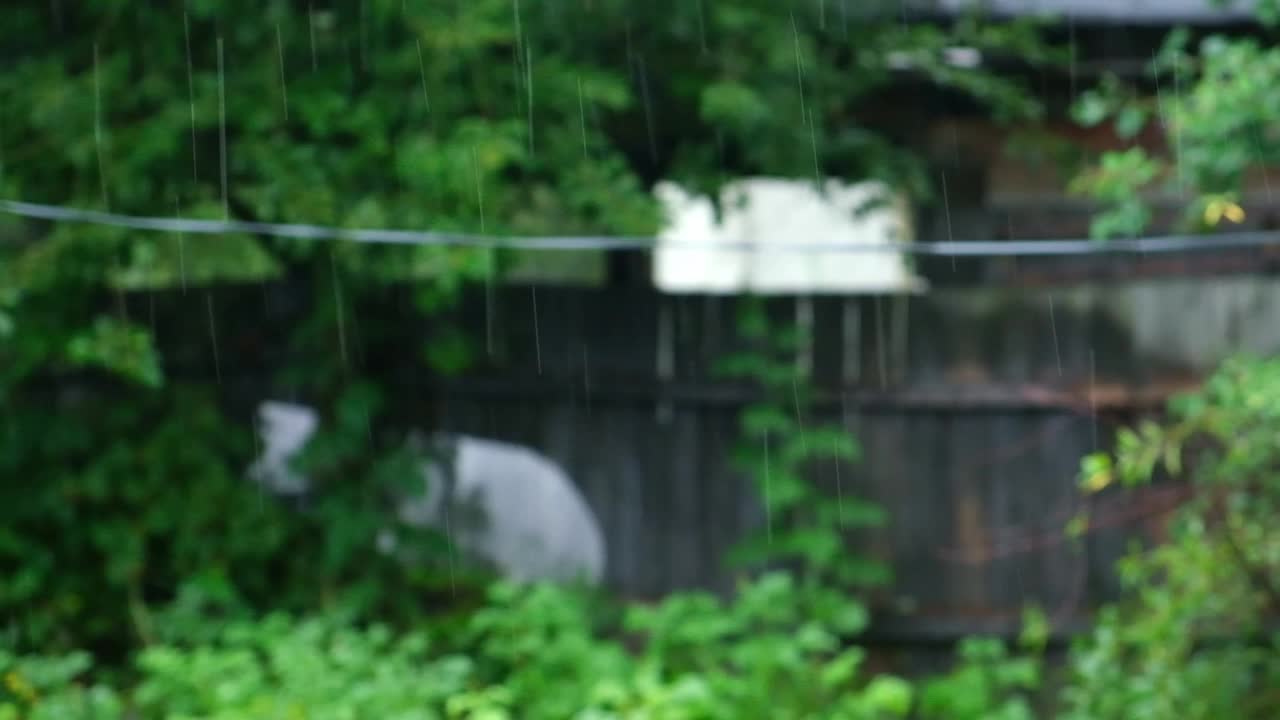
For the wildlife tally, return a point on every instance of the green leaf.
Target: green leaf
(890, 695)
(1130, 121)
(840, 670)
(119, 347)
(1091, 109)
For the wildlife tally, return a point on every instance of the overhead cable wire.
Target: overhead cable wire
(952, 248)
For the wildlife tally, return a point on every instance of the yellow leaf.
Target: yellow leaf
(1097, 481)
(19, 686)
(1213, 212)
(1219, 207)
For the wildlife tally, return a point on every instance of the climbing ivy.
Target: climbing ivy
(782, 442)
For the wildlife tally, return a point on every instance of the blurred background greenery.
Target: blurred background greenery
(142, 576)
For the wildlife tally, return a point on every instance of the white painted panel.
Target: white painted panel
(771, 213)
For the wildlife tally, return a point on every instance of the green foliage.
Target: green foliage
(1118, 182)
(988, 682)
(1188, 642)
(81, 545)
(545, 647)
(125, 520)
(48, 687)
(1191, 640)
(93, 530)
(275, 667)
(477, 116)
(313, 669)
(775, 651)
(1215, 109)
(119, 347)
(1267, 12)
(537, 652)
(805, 526)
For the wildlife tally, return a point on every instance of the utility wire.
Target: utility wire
(974, 248)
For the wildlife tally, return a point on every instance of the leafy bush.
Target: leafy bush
(1193, 640)
(776, 651)
(97, 524)
(48, 688)
(275, 667)
(806, 526)
(314, 669)
(1217, 118)
(989, 682)
(536, 652)
(475, 116)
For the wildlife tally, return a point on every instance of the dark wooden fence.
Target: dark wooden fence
(971, 437)
(973, 407)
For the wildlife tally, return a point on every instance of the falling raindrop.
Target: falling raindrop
(537, 340)
(521, 55)
(422, 72)
(899, 332)
(97, 129)
(475, 172)
(595, 117)
(586, 378)
(702, 27)
(795, 397)
(362, 35)
(528, 86)
(1161, 112)
(182, 243)
(517, 76)
(284, 89)
(1071, 48)
(648, 109)
(1053, 324)
(582, 115)
(851, 330)
(311, 28)
(213, 336)
(448, 548)
(946, 210)
(488, 300)
(805, 115)
(338, 307)
(880, 345)
(515, 11)
(1177, 117)
(2, 168)
(489, 259)
(122, 304)
(768, 505)
(1093, 399)
(222, 132)
(664, 361)
(191, 96)
(804, 324)
(1262, 164)
(259, 451)
(835, 455)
